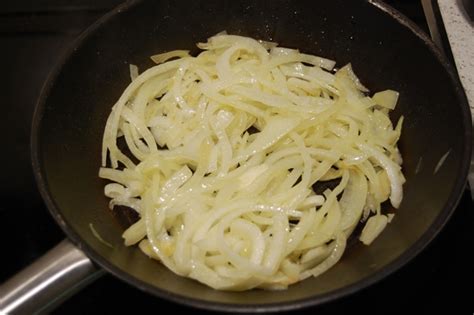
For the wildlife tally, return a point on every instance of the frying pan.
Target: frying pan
(386, 51)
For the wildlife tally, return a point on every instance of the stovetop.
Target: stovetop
(32, 35)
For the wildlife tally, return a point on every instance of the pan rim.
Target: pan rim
(392, 267)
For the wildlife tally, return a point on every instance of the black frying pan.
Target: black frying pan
(386, 51)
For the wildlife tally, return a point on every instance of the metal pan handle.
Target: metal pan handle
(47, 282)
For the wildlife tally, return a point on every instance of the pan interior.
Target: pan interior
(383, 52)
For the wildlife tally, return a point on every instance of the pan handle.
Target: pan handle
(47, 282)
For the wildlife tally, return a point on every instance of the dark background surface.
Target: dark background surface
(32, 36)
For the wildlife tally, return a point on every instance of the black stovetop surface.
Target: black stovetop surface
(32, 35)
